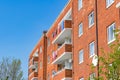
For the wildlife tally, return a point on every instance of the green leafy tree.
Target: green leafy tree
(10, 69)
(109, 68)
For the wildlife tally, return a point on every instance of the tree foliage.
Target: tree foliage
(10, 69)
(109, 68)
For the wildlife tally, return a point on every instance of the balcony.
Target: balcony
(35, 59)
(33, 68)
(34, 78)
(31, 61)
(64, 74)
(30, 71)
(64, 31)
(63, 53)
(33, 75)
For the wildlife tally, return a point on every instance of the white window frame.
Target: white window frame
(80, 4)
(81, 55)
(92, 76)
(90, 47)
(48, 59)
(108, 35)
(81, 78)
(48, 42)
(48, 76)
(80, 27)
(53, 73)
(41, 65)
(91, 19)
(109, 3)
(40, 49)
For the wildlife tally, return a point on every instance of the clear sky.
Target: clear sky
(22, 23)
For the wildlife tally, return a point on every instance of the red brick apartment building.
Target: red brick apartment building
(66, 50)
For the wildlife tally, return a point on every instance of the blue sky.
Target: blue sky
(22, 23)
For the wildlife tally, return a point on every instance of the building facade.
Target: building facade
(66, 50)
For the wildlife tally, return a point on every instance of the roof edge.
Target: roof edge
(58, 16)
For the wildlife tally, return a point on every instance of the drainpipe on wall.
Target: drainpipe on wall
(45, 55)
(97, 47)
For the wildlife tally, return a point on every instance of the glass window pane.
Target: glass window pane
(92, 49)
(81, 56)
(80, 29)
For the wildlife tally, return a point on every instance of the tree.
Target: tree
(10, 69)
(109, 68)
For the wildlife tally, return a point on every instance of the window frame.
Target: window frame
(81, 54)
(90, 25)
(48, 42)
(90, 47)
(80, 4)
(41, 49)
(81, 78)
(80, 25)
(113, 26)
(41, 64)
(48, 59)
(92, 75)
(108, 5)
(48, 76)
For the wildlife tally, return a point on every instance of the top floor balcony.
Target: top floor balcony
(64, 31)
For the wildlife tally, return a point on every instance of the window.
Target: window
(48, 76)
(91, 19)
(80, 29)
(81, 79)
(110, 33)
(48, 59)
(40, 65)
(54, 55)
(92, 49)
(79, 4)
(53, 73)
(40, 49)
(48, 42)
(81, 56)
(92, 76)
(36, 65)
(40, 78)
(53, 35)
(109, 3)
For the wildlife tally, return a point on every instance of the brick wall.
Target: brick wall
(104, 16)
